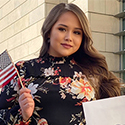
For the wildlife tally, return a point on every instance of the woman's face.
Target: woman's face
(65, 36)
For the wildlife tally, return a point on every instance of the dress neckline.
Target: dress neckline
(51, 58)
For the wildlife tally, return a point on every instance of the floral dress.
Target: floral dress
(58, 88)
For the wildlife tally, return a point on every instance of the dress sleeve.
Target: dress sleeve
(9, 106)
(10, 109)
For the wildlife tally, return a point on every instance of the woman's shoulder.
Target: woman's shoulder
(29, 68)
(29, 62)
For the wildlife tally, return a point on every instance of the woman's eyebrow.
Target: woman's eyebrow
(67, 26)
(63, 25)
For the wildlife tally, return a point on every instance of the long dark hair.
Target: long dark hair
(94, 65)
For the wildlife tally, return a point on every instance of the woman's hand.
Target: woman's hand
(26, 103)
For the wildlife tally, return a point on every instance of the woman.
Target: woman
(69, 71)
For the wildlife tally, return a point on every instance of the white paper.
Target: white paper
(110, 111)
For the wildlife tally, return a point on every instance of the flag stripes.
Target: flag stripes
(7, 70)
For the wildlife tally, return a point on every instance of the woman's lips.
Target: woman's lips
(67, 46)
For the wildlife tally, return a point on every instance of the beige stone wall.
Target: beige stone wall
(21, 21)
(104, 25)
(20, 24)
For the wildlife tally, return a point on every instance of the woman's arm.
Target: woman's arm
(15, 106)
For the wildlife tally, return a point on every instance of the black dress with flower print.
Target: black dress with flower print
(58, 88)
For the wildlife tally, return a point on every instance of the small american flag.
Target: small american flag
(7, 69)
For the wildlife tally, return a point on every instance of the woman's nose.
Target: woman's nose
(68, 36)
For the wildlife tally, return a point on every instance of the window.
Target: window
(123, 42)
(123, 24)
(123, 5)
(123, 57)
(121, 34)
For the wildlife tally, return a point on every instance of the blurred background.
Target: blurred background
(21, 22)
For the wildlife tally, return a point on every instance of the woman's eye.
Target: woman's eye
(77, 32)
(62, 29)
